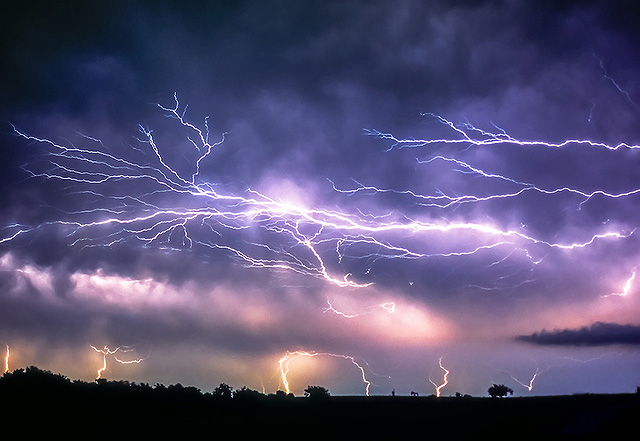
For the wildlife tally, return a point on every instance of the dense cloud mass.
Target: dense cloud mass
(596, 334)
(390, 187)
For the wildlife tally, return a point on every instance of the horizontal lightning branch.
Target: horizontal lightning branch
(141, 197)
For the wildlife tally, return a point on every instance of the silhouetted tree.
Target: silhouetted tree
(316, 392)
(499, 390)
(223, 391)
(244, 393)
(282, 394)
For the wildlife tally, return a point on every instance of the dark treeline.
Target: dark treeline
(42, 403)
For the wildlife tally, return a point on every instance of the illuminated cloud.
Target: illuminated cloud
(391, 181)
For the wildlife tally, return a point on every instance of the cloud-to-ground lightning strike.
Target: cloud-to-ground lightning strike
(529, 385)
(177, 208)
(284, 366)
(445, 379)
(6, 361)
(106, 351)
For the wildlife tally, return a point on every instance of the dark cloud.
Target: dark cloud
(597, 334)
(293, 84)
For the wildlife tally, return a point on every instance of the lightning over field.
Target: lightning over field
(286, 359)
(225, 181)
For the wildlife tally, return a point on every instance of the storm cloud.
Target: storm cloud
(399, 181)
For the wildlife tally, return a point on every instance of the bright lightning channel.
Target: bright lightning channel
(285, 360)
(442, 200)
(529, 385)
(106, 351)
(627, 286)
(445, 379)
(155, 204)
(6, 361)
(470, 135)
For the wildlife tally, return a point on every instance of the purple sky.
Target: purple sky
(386, 185)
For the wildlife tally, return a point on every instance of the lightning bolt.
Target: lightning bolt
(627, 286)
(284, 366)
(445, 379)
(529, 385)
(471, 136)
(390, 307)
(441, 200)
(6, 361)
(615, 84)
(174, 207)
(106, 351)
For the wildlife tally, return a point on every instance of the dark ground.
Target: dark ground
(39, 405)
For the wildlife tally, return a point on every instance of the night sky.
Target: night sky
(412, 191)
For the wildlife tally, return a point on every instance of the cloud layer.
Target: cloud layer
(385, 180)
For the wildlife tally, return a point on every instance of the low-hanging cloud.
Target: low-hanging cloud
(596, 334)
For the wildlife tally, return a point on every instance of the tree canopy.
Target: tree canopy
(499, 390)
(316, 392)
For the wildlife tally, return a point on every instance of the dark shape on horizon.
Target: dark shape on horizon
(246, 394)
(596, 334)
(414, 394)
(499, 390)
(282, 394)
(223, 391)
(316, 392)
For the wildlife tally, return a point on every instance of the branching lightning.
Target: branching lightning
(442, 200)
(390, 307)
(106, 351)
(175, 207)
(284, 366)
(469, 135)
(445, 379)
(529, 385)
